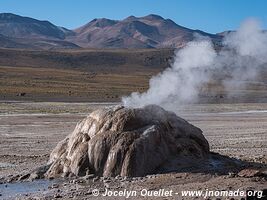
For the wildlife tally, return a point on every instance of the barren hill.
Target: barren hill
(151, 31)
(24, 27)
(24, 32)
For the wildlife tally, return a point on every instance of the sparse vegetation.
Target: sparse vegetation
(97, 75)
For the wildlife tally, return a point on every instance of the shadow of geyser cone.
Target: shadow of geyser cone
(127, 142)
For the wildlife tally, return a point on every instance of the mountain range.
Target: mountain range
(151, 31)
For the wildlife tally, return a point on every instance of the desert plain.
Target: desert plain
(30, 130)
(45, 93)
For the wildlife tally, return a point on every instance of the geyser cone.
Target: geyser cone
(128, 142)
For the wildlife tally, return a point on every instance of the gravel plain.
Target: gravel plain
(29, 131)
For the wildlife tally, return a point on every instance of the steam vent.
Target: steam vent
(127, 142)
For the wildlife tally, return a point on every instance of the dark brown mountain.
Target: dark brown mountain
(24, 32)
(151, 31)
(24, 27)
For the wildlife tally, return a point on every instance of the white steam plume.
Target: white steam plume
(243, 53)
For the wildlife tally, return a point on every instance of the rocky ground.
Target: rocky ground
(29, 131)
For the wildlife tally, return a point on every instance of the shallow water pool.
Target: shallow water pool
(12, 190)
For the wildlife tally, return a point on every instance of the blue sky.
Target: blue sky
(207, 15)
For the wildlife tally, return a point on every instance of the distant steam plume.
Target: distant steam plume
(198, 63)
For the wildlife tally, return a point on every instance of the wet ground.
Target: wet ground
(20, 189)
(29, 131)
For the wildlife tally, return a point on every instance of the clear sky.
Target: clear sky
(207, 15)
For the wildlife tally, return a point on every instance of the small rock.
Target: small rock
(89, 176)
(22, 94)
(55, 186)
(57, 196)
(74, 181)
(23, 177)
(107, 181)
(257, 179)
(95, 179)
(105, 178)
(248, 173)
(34, 176)
(231, 175)
(88, 193)
(125, 178)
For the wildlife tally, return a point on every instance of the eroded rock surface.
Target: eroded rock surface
(127, 142)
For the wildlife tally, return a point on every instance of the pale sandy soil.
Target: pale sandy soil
(29, 131)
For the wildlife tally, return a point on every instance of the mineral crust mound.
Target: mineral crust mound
(127, 142)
